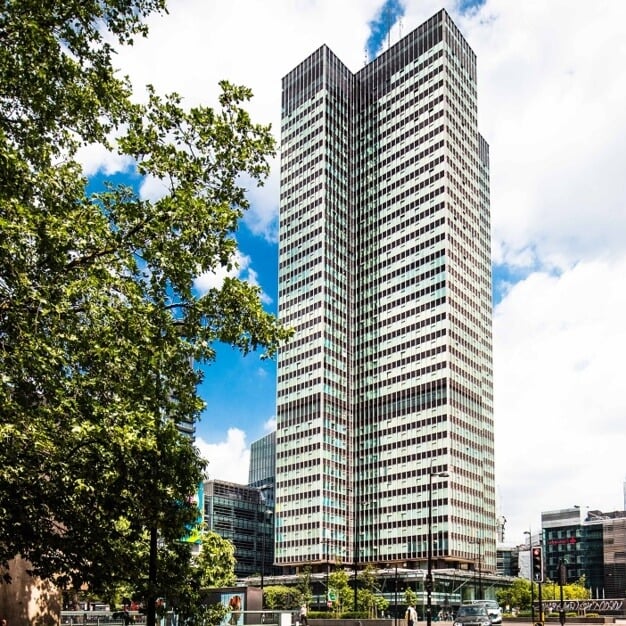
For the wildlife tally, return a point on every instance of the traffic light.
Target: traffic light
(536, 564)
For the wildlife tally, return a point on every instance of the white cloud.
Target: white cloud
(227, 460)
(552, 91)
(559, 403)
(96, 158)
(241, 269)
(152, 188)
(552, 87)
(262, 217)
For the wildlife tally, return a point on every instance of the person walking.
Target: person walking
(410, 616)
(303, 618)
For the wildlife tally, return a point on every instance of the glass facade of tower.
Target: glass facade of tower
(262, 469)
(385, 273)
(241, 515)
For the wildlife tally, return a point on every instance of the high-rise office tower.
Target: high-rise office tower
(384, 400)
(262, 470)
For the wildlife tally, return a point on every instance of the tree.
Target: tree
(100, 322)
(213, 567)
(516, 595)
(280, 597)
(304, 586)
(571, 591)
(368, 596)
(410, 597)
(339, 582)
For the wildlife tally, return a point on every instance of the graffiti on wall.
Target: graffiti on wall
(598, 605)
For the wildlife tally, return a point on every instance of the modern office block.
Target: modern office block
(240, 514)
(262, 471)
(590, 549)
(385, 274)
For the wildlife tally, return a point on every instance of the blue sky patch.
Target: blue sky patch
(467, 6)
(380, 26)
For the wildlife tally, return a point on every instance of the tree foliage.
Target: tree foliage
(100, 323)
(213, 567)
(516, 595)
(410, 597)
(339, 582)
(304, 585)
(519, 594)
(369, 598)
(281, 597)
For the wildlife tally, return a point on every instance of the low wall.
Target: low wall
(554, 619)
(352, 622)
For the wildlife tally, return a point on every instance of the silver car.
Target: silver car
(472, 615)
(493, 610)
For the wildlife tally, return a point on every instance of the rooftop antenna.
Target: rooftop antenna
(388, 20)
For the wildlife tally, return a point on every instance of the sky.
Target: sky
(552, 103)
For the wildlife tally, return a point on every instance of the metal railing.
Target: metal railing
(97, 618)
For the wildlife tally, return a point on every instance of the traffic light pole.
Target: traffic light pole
(536, 564)
(562, 581)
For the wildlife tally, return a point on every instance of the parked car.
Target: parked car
(472, 615)
(493, 610)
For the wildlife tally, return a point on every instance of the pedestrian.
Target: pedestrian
(410, 615)
(303, 618)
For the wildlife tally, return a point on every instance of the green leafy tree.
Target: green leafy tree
(368, 596)
(339, 582)
(518, 594)
(577, 590)
(304, 586)
(100, 321)
(280, 597)
(571, 591)
(213, 567)
(410, 597)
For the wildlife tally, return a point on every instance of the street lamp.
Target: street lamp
(266, 518)
(562, 581)
(479, 541)
(429, 572)
(266, 515)
(395, 590)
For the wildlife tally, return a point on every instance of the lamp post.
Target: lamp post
(562, 581)
(266, 515)
(395, 589)
(429, 572)
(266, 518)
(479, 541)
